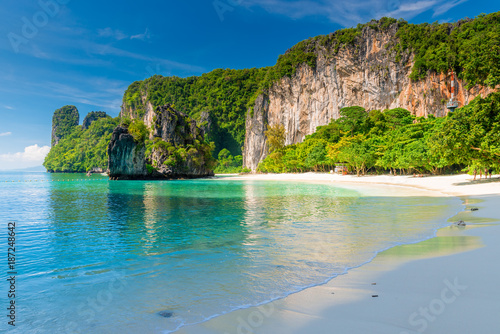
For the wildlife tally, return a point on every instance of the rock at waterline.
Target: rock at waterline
(166, 314)
(125, 156)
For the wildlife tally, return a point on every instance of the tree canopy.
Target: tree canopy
(81, 150)
(393, 140)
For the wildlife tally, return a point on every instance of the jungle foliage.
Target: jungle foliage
(470, 47)
(81, 150)
(394, 140)
(219, 100)
(63, 121)
(223, 94)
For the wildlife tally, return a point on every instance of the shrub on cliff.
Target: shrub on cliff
(138, 130)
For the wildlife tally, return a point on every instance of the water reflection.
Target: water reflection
(199, 248)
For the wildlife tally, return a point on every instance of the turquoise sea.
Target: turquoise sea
(100, 256)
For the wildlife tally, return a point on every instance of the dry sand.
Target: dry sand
(447, 284)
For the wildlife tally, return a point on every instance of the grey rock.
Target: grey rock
(125, 156)
(255, 149)
(166, 314)
(205, 122)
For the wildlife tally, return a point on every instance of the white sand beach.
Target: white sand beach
(447, 284)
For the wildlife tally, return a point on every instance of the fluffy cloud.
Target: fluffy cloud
(31, 156)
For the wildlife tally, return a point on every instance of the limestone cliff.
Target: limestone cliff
(364, 74)
(125, 156)
(255, 141)
(63, 120)
(175, 149)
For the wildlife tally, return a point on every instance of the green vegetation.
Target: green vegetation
(396, 141)
(470, 47)
(390, 140)
(223, 94)
(63, 121)
(227, 164)
(287, 64)
(471, 135)
(275, 137)
(81, 150)
(196, 155)
(138, 130)
(91, 117)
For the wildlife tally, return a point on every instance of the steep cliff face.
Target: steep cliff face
(126, 156)
(92, 117)
(146, 116)
(255, 141)
(63, 120)
(365, 74)
(175, 149)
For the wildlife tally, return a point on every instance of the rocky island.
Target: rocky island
(79, 148)
(381, 76)
(174, 147)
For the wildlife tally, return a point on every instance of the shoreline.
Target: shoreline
(426, 286)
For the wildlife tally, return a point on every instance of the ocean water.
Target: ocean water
(100, 256)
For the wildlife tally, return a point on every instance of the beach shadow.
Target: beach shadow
(492, 180)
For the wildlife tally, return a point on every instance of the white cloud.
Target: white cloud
(410, 10)
(104, 93)
(446, 6)
(3, 134)
(111, 33)
(109, 50)
(350, 13)
(145, 36)
(120, 35)
(31, 156)
(9, 107)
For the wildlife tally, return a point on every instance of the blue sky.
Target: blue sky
(86, 53)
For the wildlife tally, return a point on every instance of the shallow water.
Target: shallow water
(95, 256)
